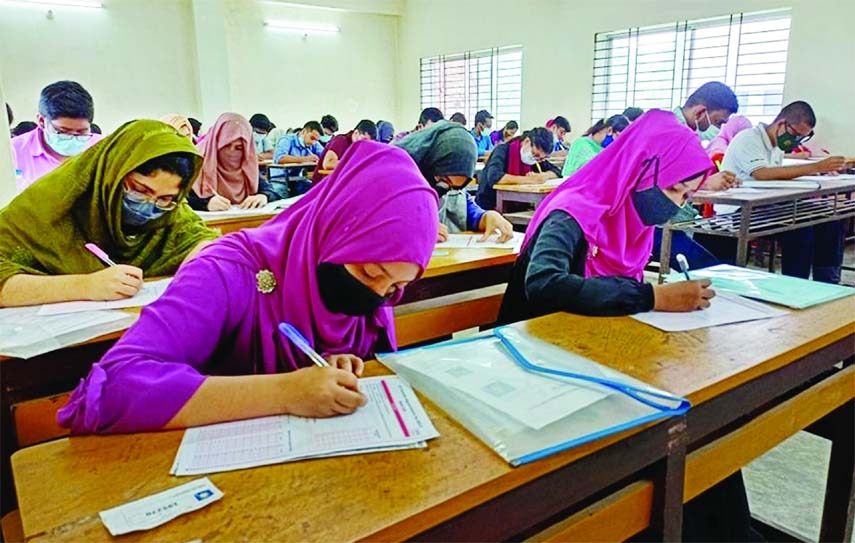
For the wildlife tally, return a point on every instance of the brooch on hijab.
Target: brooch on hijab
(265, 281)
(594, 251)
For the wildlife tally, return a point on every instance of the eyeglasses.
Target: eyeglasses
(798, 137)
(165, 203)
(63, 135)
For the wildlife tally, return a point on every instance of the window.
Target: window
(660, 66)
(475, 80)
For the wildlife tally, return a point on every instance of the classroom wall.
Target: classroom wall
(295, 78)
(136, 57)
(558, 46)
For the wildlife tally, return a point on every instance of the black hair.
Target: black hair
(23, 127)
(561, 122)
(367, 127)
(66, 99)
(94, 128)
(261, 122)
(314, 126)
(9, 114)
(796, 113)
(540, 137)
(329, 122)
(196, 124)
(458, 118)
(617, 123)
(632, 113)
(511, 125)
(715, 96)
(179, 163)
(482, 116)
(431, 114)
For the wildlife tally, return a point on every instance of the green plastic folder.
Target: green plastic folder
(760, 285)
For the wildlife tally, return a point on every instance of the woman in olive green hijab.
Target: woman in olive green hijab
(127, 195)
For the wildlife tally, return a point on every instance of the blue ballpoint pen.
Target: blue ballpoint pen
(297, 339)
(684, 265)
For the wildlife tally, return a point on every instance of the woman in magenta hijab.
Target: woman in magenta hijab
(588, 242)
(733, 126)
(332, 265)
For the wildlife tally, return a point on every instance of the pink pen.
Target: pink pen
(102, 256)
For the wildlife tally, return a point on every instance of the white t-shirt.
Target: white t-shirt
(749, 151)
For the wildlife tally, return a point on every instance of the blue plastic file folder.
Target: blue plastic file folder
(526, 398)
(760, 285)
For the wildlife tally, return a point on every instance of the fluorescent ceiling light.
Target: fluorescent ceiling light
(302, 27)
(62, 3)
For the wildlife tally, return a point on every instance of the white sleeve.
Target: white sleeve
(745, 155)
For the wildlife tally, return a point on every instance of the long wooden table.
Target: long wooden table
(741, 379)
(452, 271)
(765, 213)
(227, 225)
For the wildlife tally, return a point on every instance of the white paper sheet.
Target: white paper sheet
(531, 399)
(236, 211)
(24, 333)
(152, 511)
(801, 184)
(470, 241)
(554, 182)
(392, 418)
(821, 178)
(150, 292)
(725, 308)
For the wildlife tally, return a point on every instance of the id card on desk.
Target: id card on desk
(160, 508)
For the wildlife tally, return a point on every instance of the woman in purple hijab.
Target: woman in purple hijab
(332, 265)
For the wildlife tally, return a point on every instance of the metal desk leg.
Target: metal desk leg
(742, 240)
(666, 516)
(500, 202)
(839, 506)
(665, 253)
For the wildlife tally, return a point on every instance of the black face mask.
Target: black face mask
(343, 293)
(652, 206)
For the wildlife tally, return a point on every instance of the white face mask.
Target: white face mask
(527, 157)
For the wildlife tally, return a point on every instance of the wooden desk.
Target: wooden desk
(228, 225)
(524, 194)
(461, 270)
(769, 212)
(267, 165)
(454, 490)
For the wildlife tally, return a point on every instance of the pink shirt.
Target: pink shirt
(31, 157)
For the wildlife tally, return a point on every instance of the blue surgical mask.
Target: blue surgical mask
(138, 213)
(652, 205)
(608, 140)
(326, 138)
(65, 144)
(257, 138)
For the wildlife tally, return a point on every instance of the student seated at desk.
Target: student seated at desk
(481, 132)
(521, 161)
(632, 113)
(560, 127)
(588, 242)
(445, 154)
(332, 265)
(385, 131)
(506, 134)
(329, 126)
(298, 148)
(335, 149)
(230, 169)
(759, 154)
(125, 195)
(729, 130)
(597, 138)
(64, 119)
(261, 127)
(179, 123)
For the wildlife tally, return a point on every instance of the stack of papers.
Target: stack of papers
(760, 285)
(393, 418)
(725, 308)
(804, 184)
(150, 292)
(236, 211)
(471, 241)
(24, 333)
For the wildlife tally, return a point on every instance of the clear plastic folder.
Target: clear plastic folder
(526, 398)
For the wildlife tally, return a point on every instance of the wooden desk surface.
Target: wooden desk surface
(535, 189)
(271, 164)
(62, 485)
(459, 260)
